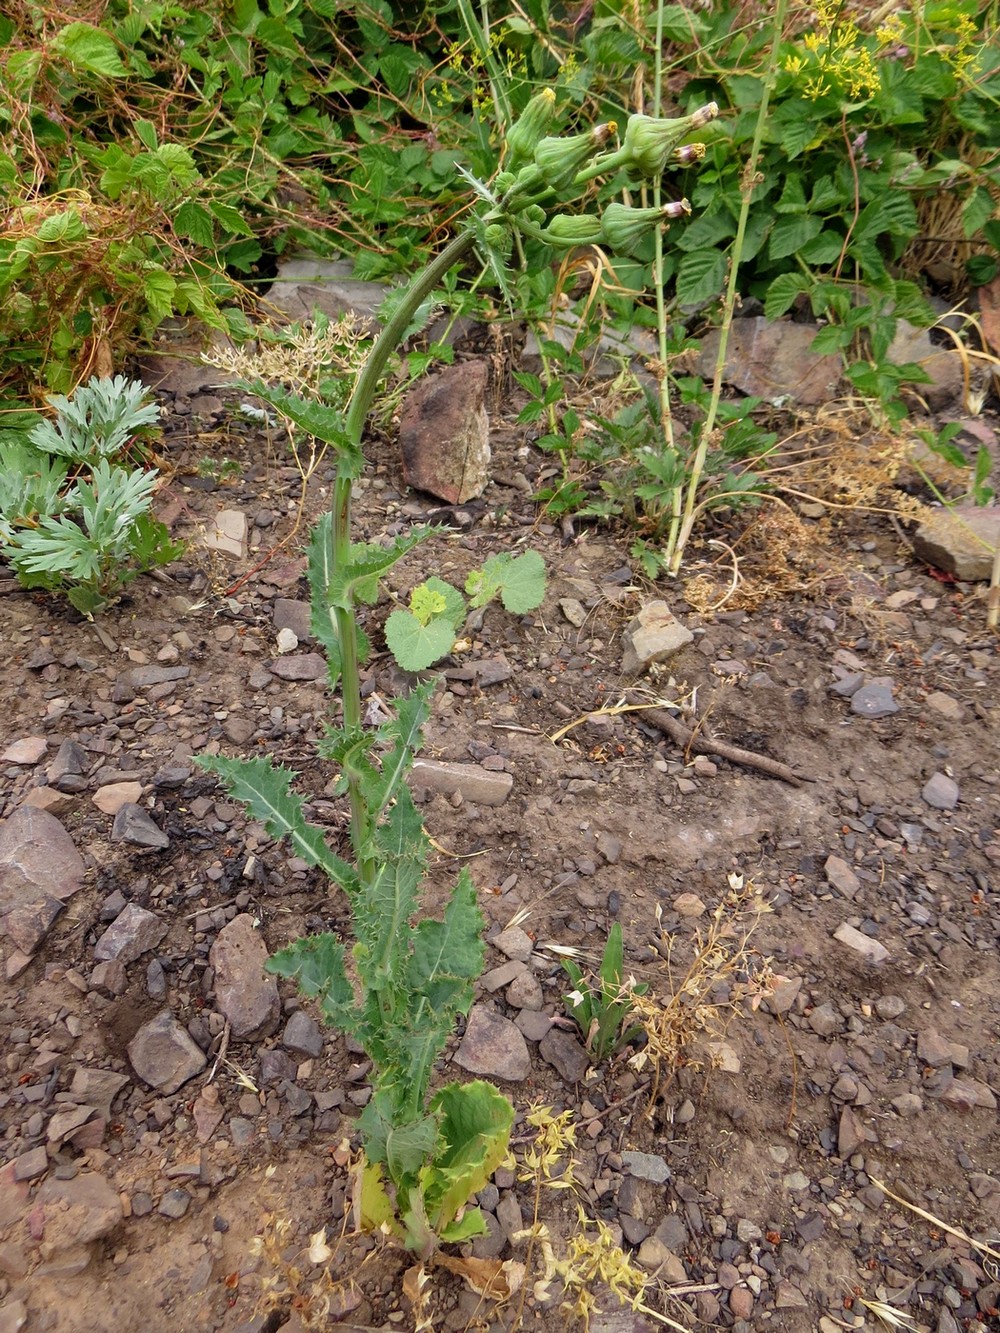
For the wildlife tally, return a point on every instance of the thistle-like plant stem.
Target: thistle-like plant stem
(358, 408)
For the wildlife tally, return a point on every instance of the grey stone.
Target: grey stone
(907, 1104)
(132, 824)
(133, 933)
(515, 943)
(40, 869)
(874, 700)
(962, 541)
(227, 533)
(825, 1021)
(174, 1203)
(851, 1134)
(70, 760)
(654, 635)
(299, 666)
(841, 876)
(940, 792)
(477, 785)
(646, 1167)
(142, 677)
(276, 1065)
(870, 949)
(99, 1087)
(671, 1229)
(889, 1006)
(774, 360)
(243, 993)
(533, 1023)
(565, 1054)
(30, 1165)
(302, 1034)
(77, 1211)
(942, 365)
(444, 433)
(163, 1054)
(306, 283)
(293, 615)
(493, 1046)
(525, 992)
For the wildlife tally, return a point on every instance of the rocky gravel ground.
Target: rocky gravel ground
(165, 1107)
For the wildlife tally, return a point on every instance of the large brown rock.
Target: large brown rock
(444, 433)
(40, 869)
(771, 359)
(245, 995)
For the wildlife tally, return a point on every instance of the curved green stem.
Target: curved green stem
(359, 406)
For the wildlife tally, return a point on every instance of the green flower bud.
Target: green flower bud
(559, 159)
(502, 181)
(568, 230)
(499, 239)
(649, 142)
(534, 215)
(529, 127)
(622, 228)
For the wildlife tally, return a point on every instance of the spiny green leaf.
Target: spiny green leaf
(264, 789)
(475, 1124)
(322, 422)
(358, 582)
(316, 964)
(319, 570)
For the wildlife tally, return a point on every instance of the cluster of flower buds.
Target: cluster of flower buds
(539, 166)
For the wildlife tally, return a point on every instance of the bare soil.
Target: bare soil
(852, 1080)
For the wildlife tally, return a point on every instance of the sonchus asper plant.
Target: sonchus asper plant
(409, 976)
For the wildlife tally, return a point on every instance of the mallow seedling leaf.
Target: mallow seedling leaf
(519, 581)
(414, 646)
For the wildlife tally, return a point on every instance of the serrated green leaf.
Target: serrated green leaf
(791, 232)
(317, 419)
(402, 736)
(475, 1123)
(414, 646)
(316, 964)
(264, 790)
(782, 293)
(701, 276)
(318, 573)
(88, 48)
(194, 221)
(832, 338)
(229, 219)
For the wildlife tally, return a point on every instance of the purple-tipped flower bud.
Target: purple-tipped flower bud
(529, 128)
(559, 159)
(568, 230)
(622, 227)
(649, 141)
(688, 152)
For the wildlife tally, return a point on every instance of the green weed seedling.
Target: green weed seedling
(408, 976)
(602, 1008)
(72, 518)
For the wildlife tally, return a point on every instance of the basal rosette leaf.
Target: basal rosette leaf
(474, 1132)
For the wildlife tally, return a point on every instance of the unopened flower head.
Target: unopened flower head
(649, 141)
(565, 231)
(559, 159)
(529, 128)
(623, 227)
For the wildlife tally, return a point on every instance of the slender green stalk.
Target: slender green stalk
(662, 382)
(360, 405)
(675, 553)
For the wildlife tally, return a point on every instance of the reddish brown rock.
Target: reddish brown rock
(444, 433)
